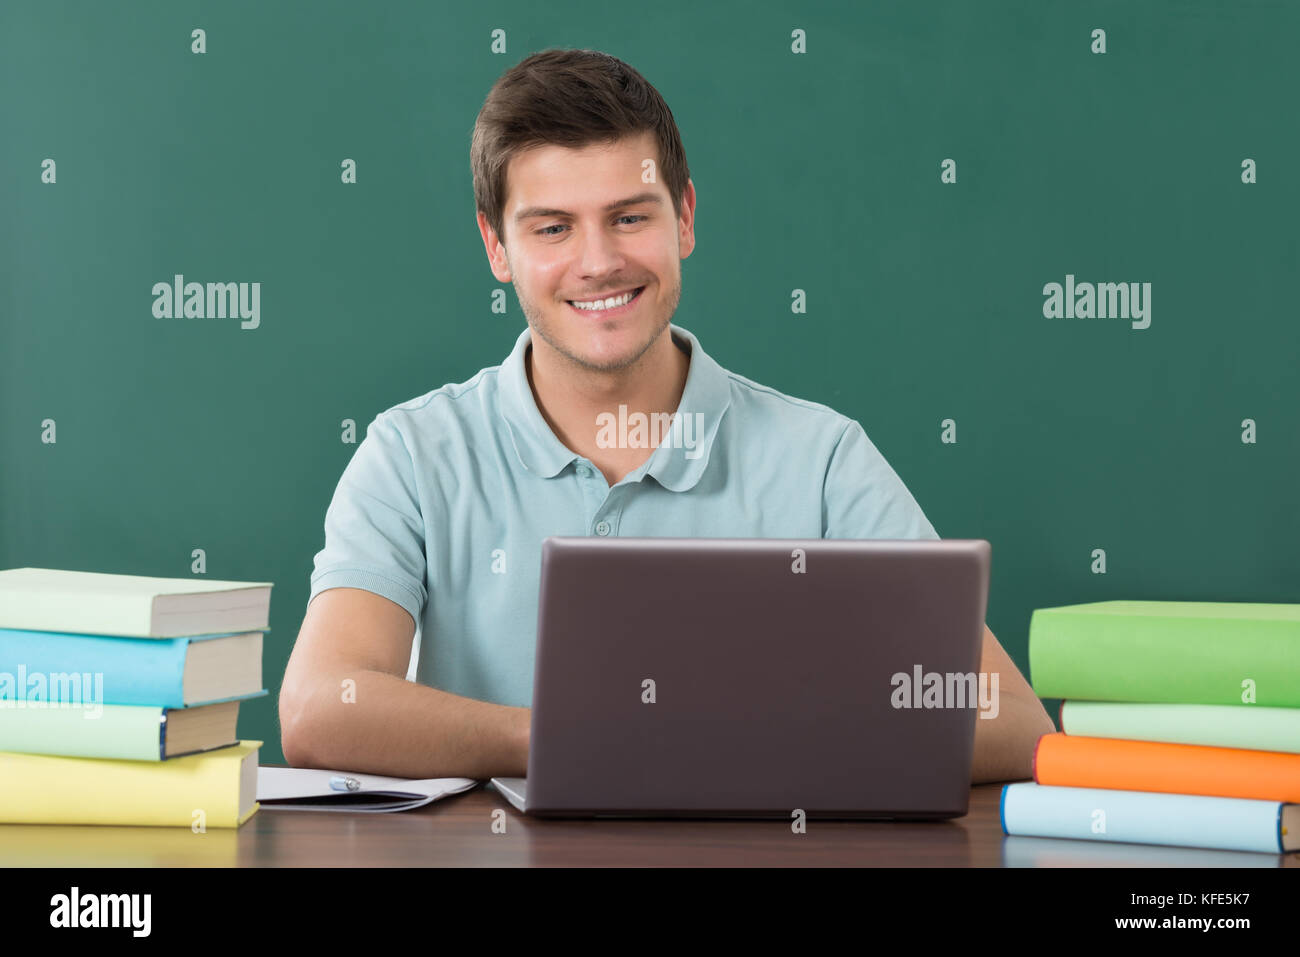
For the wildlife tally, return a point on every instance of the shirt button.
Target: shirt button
(584, 472)
(602, 528)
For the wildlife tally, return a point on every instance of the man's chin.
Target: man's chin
(610, 349)
(598, 346)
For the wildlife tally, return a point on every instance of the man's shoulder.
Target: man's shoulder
(754, 400)
(450, 402)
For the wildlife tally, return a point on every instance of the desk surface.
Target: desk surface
(457, 832)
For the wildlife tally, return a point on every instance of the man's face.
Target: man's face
(561, 243)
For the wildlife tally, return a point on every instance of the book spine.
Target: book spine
(134, 671)
(47, 789)
(1225, 726)
(1119, 657)
(77, 611)
(1098, 814)
(1075, 761)
(119, 732)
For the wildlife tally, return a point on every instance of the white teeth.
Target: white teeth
(601, 304)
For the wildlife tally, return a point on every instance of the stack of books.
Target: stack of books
(119, 698)
(1180, 725)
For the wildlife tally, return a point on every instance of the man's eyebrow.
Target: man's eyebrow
(534, 211)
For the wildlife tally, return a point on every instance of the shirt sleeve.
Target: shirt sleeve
(374, 532)
(864, 497)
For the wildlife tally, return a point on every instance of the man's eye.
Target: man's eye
(543, 230)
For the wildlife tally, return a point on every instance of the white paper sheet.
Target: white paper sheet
(309, 790)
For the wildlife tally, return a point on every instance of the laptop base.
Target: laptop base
(516, 792)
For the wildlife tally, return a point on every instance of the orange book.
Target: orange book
(1070, 760)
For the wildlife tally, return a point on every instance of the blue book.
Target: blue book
(1150, 817)
(38, 668)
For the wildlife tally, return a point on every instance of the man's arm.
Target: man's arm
(345, 702)
(1004, 745)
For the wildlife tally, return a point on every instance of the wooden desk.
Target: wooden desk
(457, 832)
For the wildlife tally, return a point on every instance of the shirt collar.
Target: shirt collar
(673, 464)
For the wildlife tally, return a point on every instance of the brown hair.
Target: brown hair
(571, 98)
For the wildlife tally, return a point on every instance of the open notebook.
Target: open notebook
(307, 789)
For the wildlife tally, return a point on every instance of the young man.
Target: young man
(440, 514)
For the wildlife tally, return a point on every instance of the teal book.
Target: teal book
(123, 732)
(1223, 653)
(1150, 817)
(47, 666)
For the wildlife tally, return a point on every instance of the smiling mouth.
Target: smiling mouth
(589, 305)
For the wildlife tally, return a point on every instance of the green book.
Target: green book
(1226, 653)
(124, 732)
(1217, 725)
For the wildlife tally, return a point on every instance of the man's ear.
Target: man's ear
(494, 248)
(686, 225)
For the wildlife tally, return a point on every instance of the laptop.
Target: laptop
(755, 678)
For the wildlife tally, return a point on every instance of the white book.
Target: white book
(130, 606)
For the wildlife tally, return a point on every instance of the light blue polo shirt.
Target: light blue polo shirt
(446, 500)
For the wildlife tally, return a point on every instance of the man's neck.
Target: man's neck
(571, 400)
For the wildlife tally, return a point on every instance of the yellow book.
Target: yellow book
(212, 789)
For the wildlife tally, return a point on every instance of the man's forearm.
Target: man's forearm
(388, 725)
(1004, 746)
